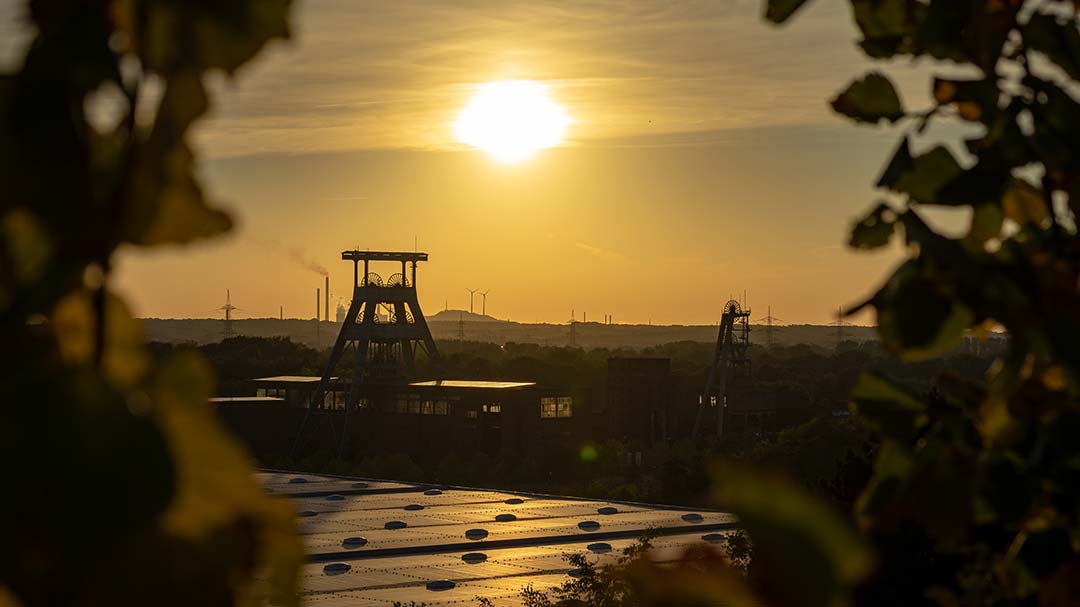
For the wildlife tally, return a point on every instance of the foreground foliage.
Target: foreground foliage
(127, 491)
(973, 498)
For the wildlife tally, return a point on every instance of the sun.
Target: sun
(511, 120)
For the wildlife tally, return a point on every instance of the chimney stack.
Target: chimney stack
(318, 304)
(326, 302)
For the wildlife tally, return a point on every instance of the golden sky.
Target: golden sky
(702, 161)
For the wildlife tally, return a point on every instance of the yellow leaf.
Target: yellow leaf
(73, 321)
(178, 211)
(1055, 378)
(215, 483)
(28, 245)
(944, 91)
(1023, 203)
(969, 110)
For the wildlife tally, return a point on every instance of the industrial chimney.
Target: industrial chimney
(326, 302)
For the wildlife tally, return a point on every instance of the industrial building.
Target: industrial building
(369, 399)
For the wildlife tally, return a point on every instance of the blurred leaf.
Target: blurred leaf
(976, 100)
(916, 318)
(182, 35)
(888, 26)
(175, 199)
(167, 203)
(1024, 203)
(887, 407)
(986, 222)
(1062, 588)
(796, 538)
(216, 487)
(1059, 41)
(73, 322)
(874, 230)
(700, 578)
(29, 247)
(1057, 126)
(983, 183)
(870, 100)
(921, 176)
(892, 469)
(778, 11)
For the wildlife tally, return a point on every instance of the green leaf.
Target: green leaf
(892, 469)
(779, 11)
(795, 537)
(874, 230)
(986, 222)
(887, 407)
(888, 26)
(922, 176)
(981, 184)
(870, 100)
(976, 100)
(1058, 40)
(916, 318)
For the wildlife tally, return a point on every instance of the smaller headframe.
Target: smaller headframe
(357, 255)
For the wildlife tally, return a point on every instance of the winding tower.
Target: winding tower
(731, 360)
(383, 328)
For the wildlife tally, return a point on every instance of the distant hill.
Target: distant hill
(459, 315)
(446, 326)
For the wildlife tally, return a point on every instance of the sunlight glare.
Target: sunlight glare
(511, 120)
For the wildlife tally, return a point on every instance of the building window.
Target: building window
(552, 407)
(441, 408)
(261, 392)
(427, 407)
(492, 408)
(414, 406)
(472, 414)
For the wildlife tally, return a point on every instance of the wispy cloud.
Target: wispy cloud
(374, 75)
(600, 252)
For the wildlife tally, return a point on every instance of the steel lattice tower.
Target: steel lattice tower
(383, 329)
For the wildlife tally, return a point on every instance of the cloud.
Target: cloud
(370, 74)
(385, 75)
(600, 252)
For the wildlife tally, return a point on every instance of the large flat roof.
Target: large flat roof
(468, 383)
(358, 255)
(247, 399)
(343, 521)
(293, 379)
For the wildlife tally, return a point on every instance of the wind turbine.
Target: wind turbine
(471, 293)
(484, 300)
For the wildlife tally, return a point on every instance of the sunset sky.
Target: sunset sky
(702, 160)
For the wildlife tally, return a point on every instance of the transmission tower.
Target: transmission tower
(769, 321)
(228, 309)
(839, 325)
